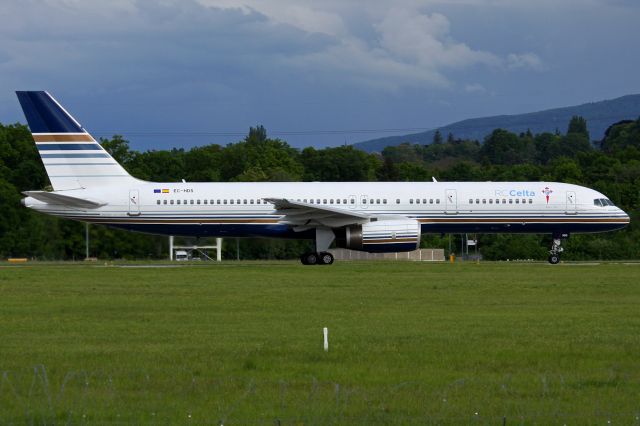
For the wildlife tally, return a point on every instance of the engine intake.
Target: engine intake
(382, 236)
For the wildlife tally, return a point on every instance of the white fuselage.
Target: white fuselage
(240, 209)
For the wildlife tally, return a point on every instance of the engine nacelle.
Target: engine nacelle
(382, 236)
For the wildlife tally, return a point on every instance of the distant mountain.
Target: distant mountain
(599, 116)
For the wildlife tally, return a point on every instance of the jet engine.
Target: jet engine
(382, 236)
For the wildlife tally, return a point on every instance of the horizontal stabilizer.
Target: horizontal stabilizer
(63, 200)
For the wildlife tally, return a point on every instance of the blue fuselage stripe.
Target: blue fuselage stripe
(68, 147)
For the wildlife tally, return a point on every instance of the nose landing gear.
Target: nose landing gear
(556, 249)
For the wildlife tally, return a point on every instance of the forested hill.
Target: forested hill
(599, 116)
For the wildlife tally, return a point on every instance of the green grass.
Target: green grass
(241, 343)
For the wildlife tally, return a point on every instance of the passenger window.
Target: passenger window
(504, 201)
(205, 201)
(251, 201)
(171, 201)
(510, 201)
(338, 201)
(158, 201)
(230, 201)
(364, 201)
(190, 201)
(305, 200)
(244, 201)
(353, 201)
(424, 201)
(470, 200)
(377, 200)
(437, 200)
(331, 201)
(484, 201)
(477, 200)
(430, 200)
(324, 201)
(384, 201)
(224, 201)
(164, 202)
(410, 200)
(318, 201)
(490, 200)
(497, 201)
(397, 200)
(530, 201)
(417, 200)
(178, 201)
(524, 201)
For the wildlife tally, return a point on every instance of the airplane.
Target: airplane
(377, 217)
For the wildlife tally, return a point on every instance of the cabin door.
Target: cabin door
(134, 202)
(571, 203)
(451, 202)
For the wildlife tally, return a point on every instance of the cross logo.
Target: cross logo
(546, 191)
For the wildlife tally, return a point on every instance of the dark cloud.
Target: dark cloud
(179, 65)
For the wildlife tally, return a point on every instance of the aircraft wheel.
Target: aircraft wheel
(303, 259)
(326, 258)
(554, 259)
(310, 259)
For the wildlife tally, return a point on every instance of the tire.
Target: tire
(554, 259)
(326, 258)
(303, 259)
(311, 258)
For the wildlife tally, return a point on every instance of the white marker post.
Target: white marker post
(326, 339)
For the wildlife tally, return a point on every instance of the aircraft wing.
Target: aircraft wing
(305, 216)
(63, 200)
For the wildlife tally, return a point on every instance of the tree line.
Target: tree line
(611, 166)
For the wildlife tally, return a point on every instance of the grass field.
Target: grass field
(241, 343)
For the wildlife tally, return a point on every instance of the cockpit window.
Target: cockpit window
(603, 202)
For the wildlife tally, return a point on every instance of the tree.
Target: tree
(118, 147)
(578, 125)
(504, 147)
(437, 138)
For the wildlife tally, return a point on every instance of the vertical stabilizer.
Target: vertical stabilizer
(71, 156)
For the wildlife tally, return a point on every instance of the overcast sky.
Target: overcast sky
(311, 72)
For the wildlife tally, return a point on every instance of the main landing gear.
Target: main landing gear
(324, 238)
(322, 258)
(556, 249)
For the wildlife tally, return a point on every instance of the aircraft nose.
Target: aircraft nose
(625, 215)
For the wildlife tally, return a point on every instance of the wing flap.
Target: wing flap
(305, 215)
